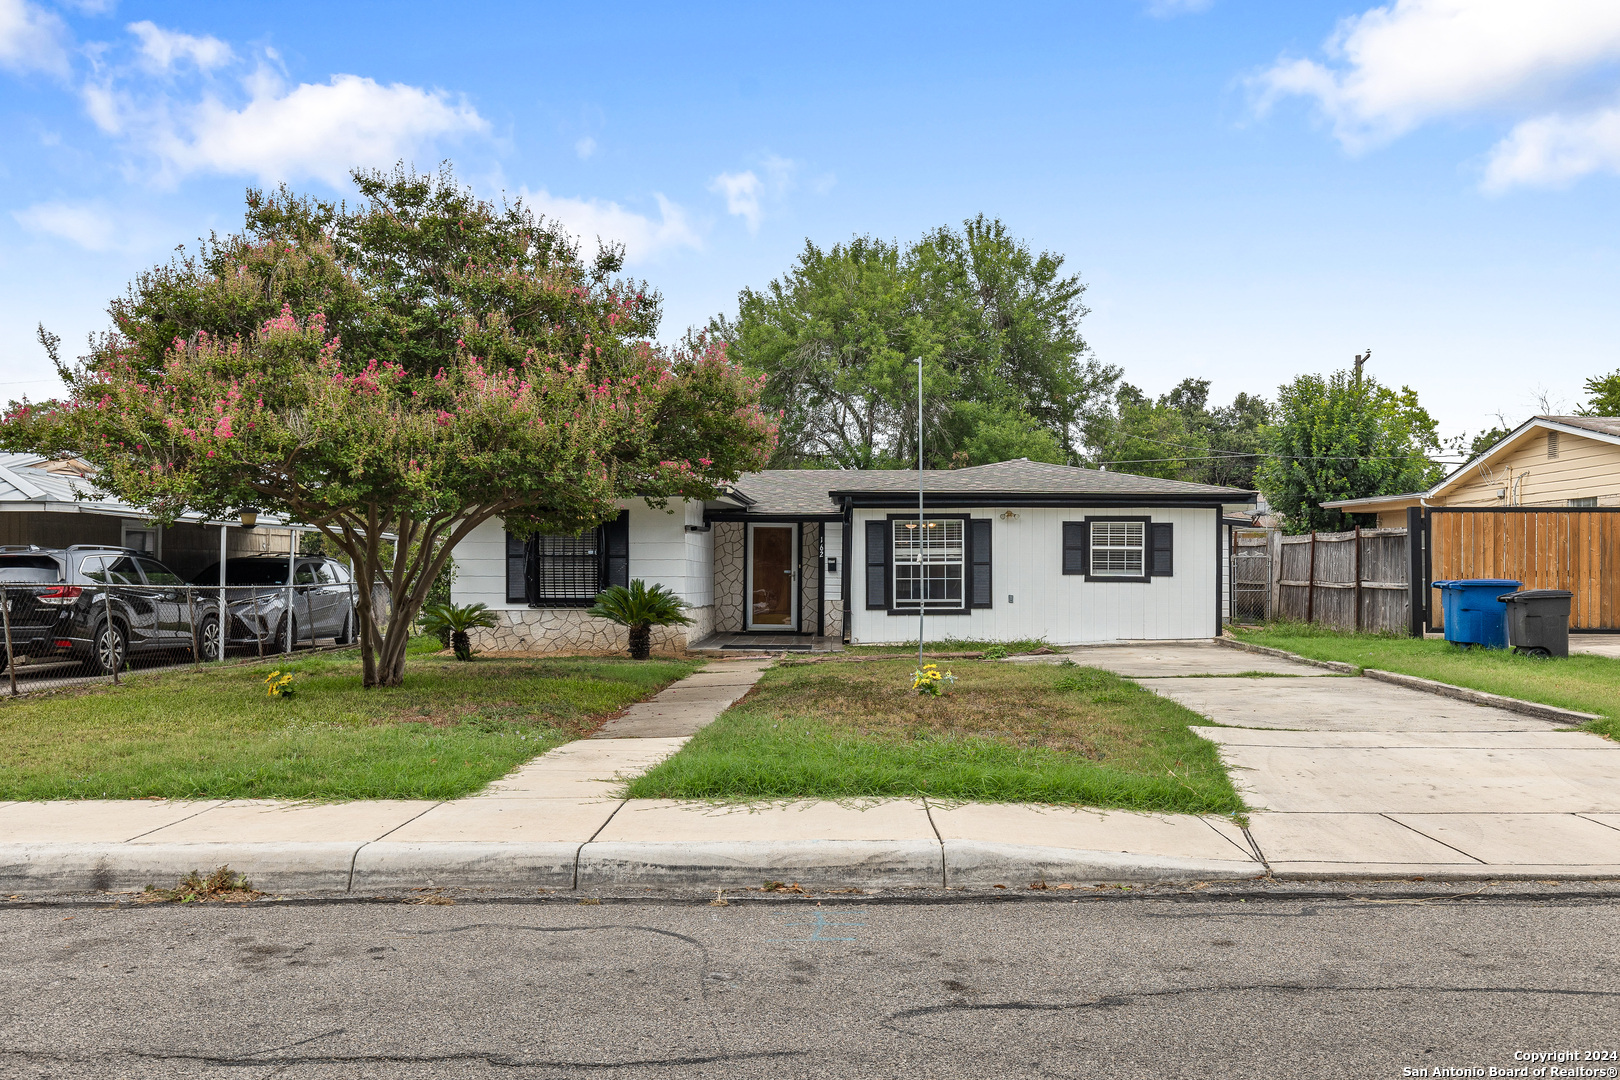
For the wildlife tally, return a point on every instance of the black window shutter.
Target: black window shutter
(877, 564)
(979, 556)
(616, 551)
(1076, 547)
(1164, 544)
(517, 570)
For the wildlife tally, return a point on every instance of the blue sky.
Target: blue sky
(1251, 190)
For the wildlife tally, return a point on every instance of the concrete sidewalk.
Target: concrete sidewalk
(1351, 778)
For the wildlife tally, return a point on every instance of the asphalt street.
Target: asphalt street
(1359, 981)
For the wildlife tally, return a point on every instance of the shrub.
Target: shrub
(453, 621)
(640, 608)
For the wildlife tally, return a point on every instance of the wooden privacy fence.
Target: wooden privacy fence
(1357, 580)
(1544, 547)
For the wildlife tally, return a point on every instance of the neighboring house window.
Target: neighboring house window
(1589, 500)
(1118, 548)
(568, 571)
(928, 563)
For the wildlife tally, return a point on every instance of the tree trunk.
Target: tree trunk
(640, 642)
(462, 644)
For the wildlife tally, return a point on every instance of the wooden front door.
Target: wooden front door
(772, 577)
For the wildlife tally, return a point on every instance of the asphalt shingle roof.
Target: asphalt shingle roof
(809, 491)
(1603, 425)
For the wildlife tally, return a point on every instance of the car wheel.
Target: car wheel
(345, 635)
(208, 640)
(111, 648)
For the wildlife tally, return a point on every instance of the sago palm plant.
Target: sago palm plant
(453, 621)
(639, 609)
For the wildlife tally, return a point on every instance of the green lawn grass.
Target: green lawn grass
(1005, 733)
(452, 728)
(1587, 683)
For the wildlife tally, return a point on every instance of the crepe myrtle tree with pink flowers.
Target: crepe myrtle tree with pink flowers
(413, 366)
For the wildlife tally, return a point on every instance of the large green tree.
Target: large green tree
(408, 367)
(997, 326)
(1605, 395)
(1343, 437)
(1180, 437)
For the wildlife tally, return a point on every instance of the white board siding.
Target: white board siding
(658, 550)
(833, 548)
(699, 558)
(661, 552)
(481, 568)
(1027, 563)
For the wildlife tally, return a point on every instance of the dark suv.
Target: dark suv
(256, 594)
(100, 604)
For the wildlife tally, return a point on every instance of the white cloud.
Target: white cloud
(89, 227)
(742, 191)
(1169, 9)
(162, 49)
(643, 238)
(585, 147)
(1416, 60)
(1555, 150)
(1399, 66)
(317, 130)
(31, 39)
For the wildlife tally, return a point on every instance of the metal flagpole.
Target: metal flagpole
(922, 564)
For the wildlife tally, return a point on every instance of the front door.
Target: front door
(773, 575)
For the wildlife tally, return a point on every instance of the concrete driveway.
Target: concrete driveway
(1355, 776)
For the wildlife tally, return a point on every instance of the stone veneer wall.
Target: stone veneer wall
(544, 630)
(809, 575)
(834, 614)
(730, 576)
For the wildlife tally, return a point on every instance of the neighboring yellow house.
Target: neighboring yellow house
(1546, 461)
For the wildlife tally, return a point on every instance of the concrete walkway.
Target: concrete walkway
(1350, 777)
(1353, 776)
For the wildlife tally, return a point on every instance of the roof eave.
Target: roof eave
(899, 499)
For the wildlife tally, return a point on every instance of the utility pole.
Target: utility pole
(922, 565)
(1361, 361)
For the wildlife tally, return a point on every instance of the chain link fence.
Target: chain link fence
(102, 630)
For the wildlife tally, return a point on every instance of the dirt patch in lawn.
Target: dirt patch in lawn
(1013, 704)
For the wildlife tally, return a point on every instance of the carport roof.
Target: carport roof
(31, 482)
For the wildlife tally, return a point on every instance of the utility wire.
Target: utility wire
(1287, 457)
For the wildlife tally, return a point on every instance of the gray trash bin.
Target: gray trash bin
(1538, 621)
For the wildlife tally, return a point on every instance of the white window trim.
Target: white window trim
(945, 557)
(1136, 545)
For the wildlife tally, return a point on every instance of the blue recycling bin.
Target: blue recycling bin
(1474, 612)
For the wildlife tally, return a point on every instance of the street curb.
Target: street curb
(1481, 697)
(1266, 650)
(65, 868)
(973, 862)
(355, 868)
(735, 864)
(395, 865)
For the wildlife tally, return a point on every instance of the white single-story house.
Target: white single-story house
(1010, 551)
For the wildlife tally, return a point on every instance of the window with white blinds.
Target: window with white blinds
(928, 563)
(1118, 548)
